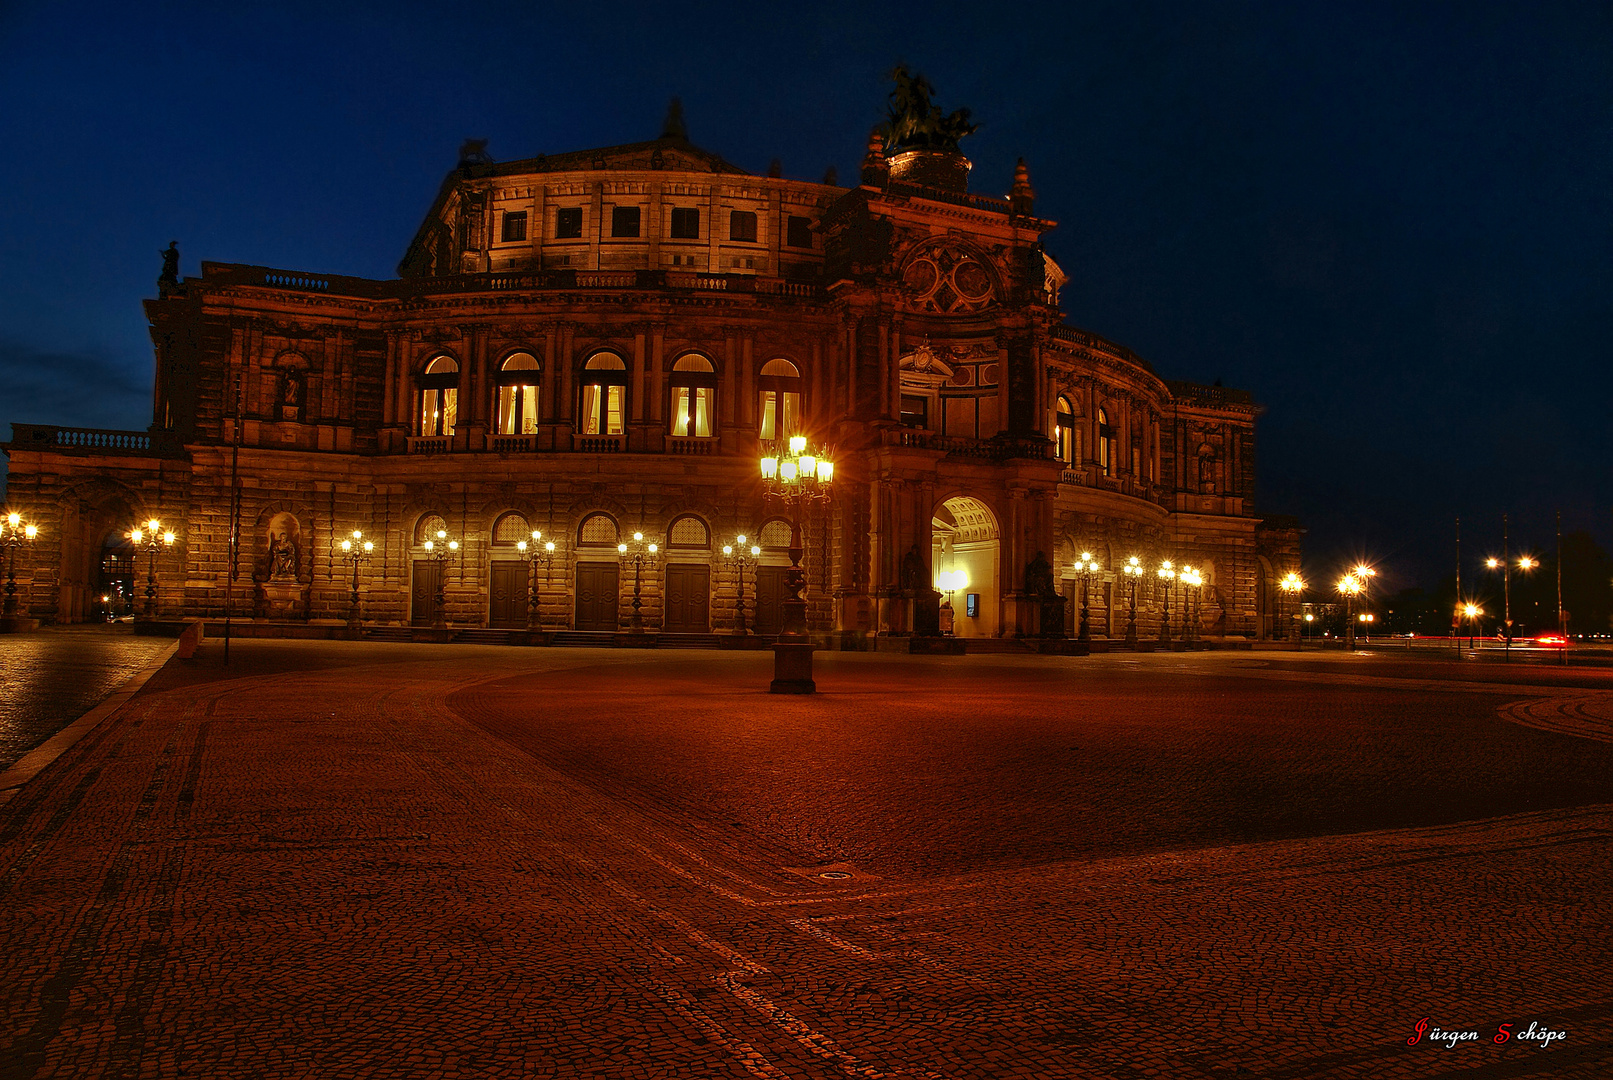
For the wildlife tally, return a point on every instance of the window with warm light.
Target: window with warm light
(694, 396)
(439, 397)
(779, 407)
(518, 395)
(1064, 430)
(1105, 442)
(604, 394)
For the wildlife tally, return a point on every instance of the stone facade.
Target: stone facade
(620, 332)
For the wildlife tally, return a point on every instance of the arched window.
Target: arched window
(780, 405)
(518, 395)
(775, 535)
(604, 394)
(429, 527)
(510, 528)
(1106, 438)
(439, 397)
(1064, 430)
(597, 530)
(688, 531)
(694, 396)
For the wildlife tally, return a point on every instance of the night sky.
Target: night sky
(1391, 222)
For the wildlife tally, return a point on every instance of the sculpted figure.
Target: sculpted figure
(912, 577)
(1039, 578)
(283, 559)
(913, 123)
(170, 264)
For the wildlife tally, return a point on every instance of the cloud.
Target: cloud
(84, 388)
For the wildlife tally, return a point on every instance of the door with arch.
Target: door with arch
(964, 541)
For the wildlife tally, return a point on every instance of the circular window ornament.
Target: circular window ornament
(972, 281)
(921, 276)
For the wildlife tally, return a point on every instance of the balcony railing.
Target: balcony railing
(428, 444)
(104, 441)
(691, 445)
(514, 444)
(599, 444)
(998, 448)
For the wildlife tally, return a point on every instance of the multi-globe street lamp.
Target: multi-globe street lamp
(1191, 580)
(14, 533)
(951, 581)
(638, 553)
(1167, 576)
(1504, 564)
(740, 558)
(356, 550)
(1366, 619)
(1291, 585)
(797, 477)
(1133, 570)
(538, 551)
(1349, 587)
(154, 537)
(1086, 566)
(441, 550)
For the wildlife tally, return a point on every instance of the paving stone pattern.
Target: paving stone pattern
(326, 864)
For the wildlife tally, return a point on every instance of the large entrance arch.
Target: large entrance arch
(964, 538)
(96, 556)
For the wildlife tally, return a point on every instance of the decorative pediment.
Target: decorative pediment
(923, 362)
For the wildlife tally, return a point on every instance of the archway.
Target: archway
(94, 527)
(964, 539)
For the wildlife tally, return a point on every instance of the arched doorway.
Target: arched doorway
(95, 524)
(964, 539)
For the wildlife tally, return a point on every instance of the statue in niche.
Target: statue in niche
(291, 396)
(282, 557)
(283, 560)
(912, 571)
(170, 265)
(1039, 579)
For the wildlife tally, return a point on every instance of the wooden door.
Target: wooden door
(769, 610)
(423, 592)
(688, 595)
(597, 595)
(506, 603)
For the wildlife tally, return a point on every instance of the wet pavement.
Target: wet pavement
(51, 677)
(355, 859)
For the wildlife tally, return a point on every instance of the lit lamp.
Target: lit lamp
(739, 557)
(14, 533)
(641, 551)
(1472, 613)
(356, 550)
(1133, 570)
(153, 537)
(1191, 580)
(1292, 585)
(1086, 566)
(1310, 618)
(796, 477)
(951, 581)
(538, 551)
(1504, 564)
(1167, 577)
(1349, 587)
(441, 550)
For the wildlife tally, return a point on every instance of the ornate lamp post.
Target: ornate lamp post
(357, 551)
(14, 533)
(441, 549)
(1191, 579)
(1349, 587)
(1133, 570)
(154, 537)
(797, 478)
(1291, 585)
(1086, 566)
(538, 551)
(1504, 564)
(640, 552)
(739, 557)
(1167, 576)
(951, 581)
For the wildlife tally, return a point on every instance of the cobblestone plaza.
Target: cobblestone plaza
(356, 859)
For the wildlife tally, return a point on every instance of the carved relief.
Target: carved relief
(946, 279)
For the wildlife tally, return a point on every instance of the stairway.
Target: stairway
(689, 641)
(977, 645)
(584, 639)
(388, 633)
(482, 636)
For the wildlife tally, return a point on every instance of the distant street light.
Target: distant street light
(741, 558)
(1349, 587)
(641, 552)
(1291, 585)
(1167, 575)
(1471, 613)
(1191, 579)
(1133, 570)
(357, 550)
(441, 550)
(14, 533)
(154, 538)
(539, 551)
(1086, 566)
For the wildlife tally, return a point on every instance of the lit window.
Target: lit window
(624, 220)
(798, 232)
(597, 529)
(780, 404)
(694, 396)
(685, 223)
(604, 391)
(1106, 437)
(510, 529)
(568, 223)
(742, 226)
(915, 411)
(514, 227)
(688, 532)
(1064, 430)
(518, 395)
(439, 397)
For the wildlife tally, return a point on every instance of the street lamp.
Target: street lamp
(357, 550)
(1133, 570)
(951, 581)
(14, 533)
(1310, 618)
(739, 557)
(154, 537)
(1366, 619)
(1349, 587)
(1291, 585)
(640, 552)
(1167, 575)
(795, 477)
(441, 549)
(1086, 566)
(1525, 564)
(1191, 579)
(1471, 613)
(539, 550)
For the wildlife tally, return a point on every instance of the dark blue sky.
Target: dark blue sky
(1392, 222)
